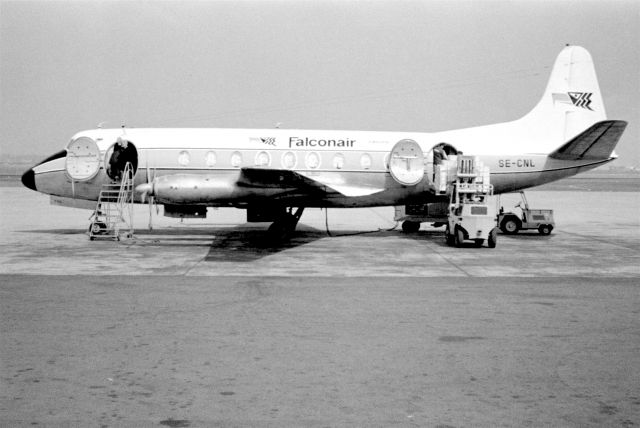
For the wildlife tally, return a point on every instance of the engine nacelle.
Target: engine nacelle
(192, 189)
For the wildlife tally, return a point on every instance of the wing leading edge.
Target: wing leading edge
(315, 182)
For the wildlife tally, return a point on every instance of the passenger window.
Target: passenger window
(289, 160)
(365, 161)
(184, 158)
(236, 159)
(210, 159)
(263, 159)
(313, 160)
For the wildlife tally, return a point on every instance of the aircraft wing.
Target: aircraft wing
(309, 181)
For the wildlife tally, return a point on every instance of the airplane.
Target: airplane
(271, 172)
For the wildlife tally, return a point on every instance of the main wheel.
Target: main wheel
(410, 226)
(277, 231)
(493, 239)
(282, 228)
(544, 229)
(510, 225)
(459, 240)
(478, 242)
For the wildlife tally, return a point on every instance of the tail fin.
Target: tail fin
(572, 101)
(596, 143)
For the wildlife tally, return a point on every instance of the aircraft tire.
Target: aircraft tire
(277, 231)
(478, 242)
(510, 225)
(282, 228)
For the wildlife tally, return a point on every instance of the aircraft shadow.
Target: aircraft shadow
(246, 245)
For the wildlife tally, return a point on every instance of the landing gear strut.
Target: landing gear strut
(284, 226)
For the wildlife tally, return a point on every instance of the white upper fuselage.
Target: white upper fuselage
(350, 158)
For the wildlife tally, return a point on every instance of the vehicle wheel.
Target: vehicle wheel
(449, 239)
(459, 240)
(493, 239)
(510, 225)
(410, 226)
(544, 229)
(478, 242)
(97, 228)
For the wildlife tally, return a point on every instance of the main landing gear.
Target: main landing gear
(284, 226)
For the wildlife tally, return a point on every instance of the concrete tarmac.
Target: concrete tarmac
(205, 323)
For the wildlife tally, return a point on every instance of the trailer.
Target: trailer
(412, 215)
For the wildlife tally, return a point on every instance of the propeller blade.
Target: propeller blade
(151, 198)
(147, 189)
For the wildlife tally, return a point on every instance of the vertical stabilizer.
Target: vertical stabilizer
(572, 101)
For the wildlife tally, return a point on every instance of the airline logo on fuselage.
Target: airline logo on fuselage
(319, 142)
(270, 141)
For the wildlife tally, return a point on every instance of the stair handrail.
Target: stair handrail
(125, 196)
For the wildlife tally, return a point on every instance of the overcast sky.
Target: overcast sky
(388, 65)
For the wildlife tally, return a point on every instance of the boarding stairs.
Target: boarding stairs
(113, 216)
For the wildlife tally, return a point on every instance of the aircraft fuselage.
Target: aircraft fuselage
(216, 157)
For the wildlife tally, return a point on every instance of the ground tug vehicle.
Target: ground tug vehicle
(511, 223)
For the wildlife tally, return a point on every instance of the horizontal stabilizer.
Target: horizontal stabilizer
(597, 142)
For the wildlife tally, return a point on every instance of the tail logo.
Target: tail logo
(581, 99)
(578, 99)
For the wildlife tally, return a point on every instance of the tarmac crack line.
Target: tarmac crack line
(197, 263)
(455, 265)
(600, 240)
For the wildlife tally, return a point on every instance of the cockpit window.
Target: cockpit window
(60, 154)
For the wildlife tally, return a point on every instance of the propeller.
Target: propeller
(147, 190)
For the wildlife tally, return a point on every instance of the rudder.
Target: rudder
(572, 100)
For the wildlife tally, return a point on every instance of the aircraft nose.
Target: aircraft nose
(29, 179)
